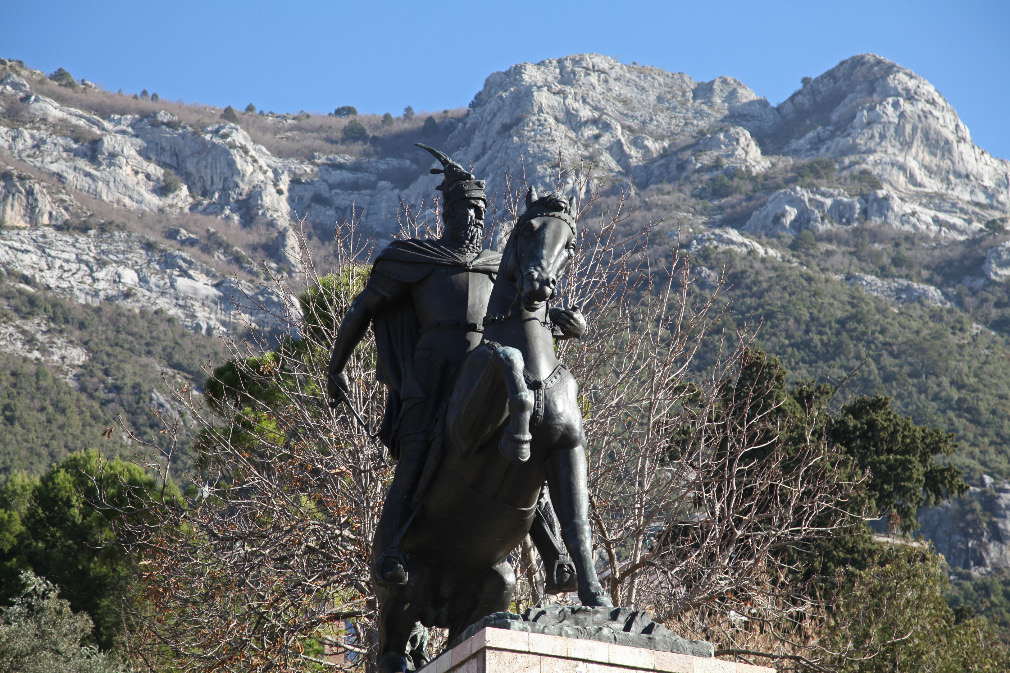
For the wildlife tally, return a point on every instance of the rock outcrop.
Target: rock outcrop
(27, 202)
(127, 269)
(639, 126)
(898, 290)
(870, 112)
(795, 209)
(35, 339)
(974, 531)
(731, 239)
(997, 263)
(792, 210)
(620, 117)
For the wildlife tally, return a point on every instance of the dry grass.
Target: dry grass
(300, 136)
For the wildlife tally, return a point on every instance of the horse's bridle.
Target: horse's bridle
(523, 222)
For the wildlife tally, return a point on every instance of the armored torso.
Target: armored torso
(450, 303)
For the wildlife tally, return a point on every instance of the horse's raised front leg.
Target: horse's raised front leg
(567, 478)
(491, 388)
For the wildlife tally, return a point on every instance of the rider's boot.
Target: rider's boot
(545, 532)
(391, 568)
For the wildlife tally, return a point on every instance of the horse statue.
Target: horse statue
(512, 422)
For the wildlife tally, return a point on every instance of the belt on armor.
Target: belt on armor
(452, 324)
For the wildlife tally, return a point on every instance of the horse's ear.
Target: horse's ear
(573, 210)
(531, 196)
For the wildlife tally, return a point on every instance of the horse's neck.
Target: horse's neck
(511, 325)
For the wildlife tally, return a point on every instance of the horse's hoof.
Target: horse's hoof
(595, 597)
(516, 447)
(392, 662)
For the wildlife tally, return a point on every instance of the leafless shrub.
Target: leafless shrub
(263, 565)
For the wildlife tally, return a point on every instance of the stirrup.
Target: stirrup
(390, 569)
(562, 578)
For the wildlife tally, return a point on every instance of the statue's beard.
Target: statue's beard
(465, 238)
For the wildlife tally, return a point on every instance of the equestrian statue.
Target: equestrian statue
(480, 414)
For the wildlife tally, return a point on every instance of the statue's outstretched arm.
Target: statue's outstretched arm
(352, 330)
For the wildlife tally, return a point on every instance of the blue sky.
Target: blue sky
(381, 56)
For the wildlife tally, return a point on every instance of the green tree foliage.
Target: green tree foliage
(250, 109)
(986, 595)
(144, 94)
(996, 226)
(63, 78)
(256, 387)
(345, 111)
(815, 171)
(229, 115)
(171, 182)
(154, 98)
(39, 633)
(430, 127)
(354, 132)
(864, 181)
(804, 243)
(54, 527)
(387, 119)
(903, 459)
(939, 369)
(408, 112)
(291, 479)
(924, 633)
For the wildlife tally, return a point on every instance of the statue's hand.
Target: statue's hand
(337, 386)
(570, 321)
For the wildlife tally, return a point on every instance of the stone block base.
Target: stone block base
(493, 650)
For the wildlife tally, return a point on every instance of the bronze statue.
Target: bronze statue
(455, 510)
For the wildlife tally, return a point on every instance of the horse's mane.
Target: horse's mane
(551, 203)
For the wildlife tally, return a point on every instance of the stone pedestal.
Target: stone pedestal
(493, 650)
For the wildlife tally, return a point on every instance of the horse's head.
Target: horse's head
(543, 244)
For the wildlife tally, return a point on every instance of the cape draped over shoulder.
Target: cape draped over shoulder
(396, 330)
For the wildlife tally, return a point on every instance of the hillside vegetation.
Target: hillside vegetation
(49, 409)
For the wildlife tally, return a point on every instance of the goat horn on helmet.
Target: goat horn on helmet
(457, 183)
(531, 196)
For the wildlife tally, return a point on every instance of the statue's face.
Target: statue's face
(465, 215)
(464, 223)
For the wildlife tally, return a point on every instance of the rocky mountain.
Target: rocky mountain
(638, 125)
(864, 178)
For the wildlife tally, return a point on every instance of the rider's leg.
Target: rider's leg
(388, 563)
(397, 622)
(567, 477)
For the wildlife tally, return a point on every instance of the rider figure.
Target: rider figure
(427, 300)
